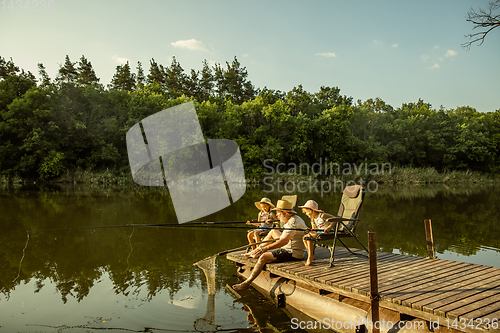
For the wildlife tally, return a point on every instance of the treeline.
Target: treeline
(49, 127)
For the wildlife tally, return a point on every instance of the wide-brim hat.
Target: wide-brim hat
(313, 205)
(258, 204)
(284, 205)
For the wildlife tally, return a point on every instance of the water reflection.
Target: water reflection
(140, 277)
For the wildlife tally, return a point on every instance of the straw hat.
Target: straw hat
(284, 205)
(313, 205)
(258, 204)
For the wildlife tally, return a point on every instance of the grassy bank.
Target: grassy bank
(395, 176)
(409, 175)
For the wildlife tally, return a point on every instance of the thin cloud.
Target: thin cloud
(450, 53)
(119, 60)
(436, 58)
(327, 54)
(190, 44)
(395, 45)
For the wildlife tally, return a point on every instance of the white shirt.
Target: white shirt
(295, 244)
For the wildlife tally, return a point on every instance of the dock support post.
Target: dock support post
(374, 297)
(430, 240)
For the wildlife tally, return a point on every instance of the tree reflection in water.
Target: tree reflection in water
(143, 263)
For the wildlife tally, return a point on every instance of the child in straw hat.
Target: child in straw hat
(285, 246)
(318, 221)
(263, 220)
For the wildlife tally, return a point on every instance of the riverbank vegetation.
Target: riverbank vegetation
(72, 128)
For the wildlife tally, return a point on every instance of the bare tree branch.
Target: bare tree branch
(486, 20)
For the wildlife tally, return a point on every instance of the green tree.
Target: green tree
(408, 143)
(220, 83)
(377, 105)
(470, 144)
(67, 72)
(27, 131)
(7, 68)
(86, 74)
(123, 79)
(206, 82)
(175, 77)
(328, 97)
(369, 139)
(141, 79)
(237, 86)
(270, 96)
(156, 73)
(300, 100)
(13, 85)
(192, 87)
(45, 79)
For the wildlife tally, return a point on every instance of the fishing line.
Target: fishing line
(20, 263)
(193, 224)
(189, 225)
(177, 226)
(131, 248)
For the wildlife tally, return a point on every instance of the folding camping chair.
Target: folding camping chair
(346, 221)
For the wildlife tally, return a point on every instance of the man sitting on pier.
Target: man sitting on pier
(287, 246)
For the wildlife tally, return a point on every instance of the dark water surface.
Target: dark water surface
(69, 275)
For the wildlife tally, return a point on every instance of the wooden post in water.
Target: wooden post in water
(430, 240)
(374, 297)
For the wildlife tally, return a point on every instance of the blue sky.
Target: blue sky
(399, 51)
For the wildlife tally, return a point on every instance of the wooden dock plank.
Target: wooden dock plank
(480, 308)
(387, 264)
(440, 288)
(473, 302)
(492, 317)
(359, 268)
(441, 307)
(353, 271)
(389, 278)
(412, 285)
(340, 268)
(477, 277)
(429, 290)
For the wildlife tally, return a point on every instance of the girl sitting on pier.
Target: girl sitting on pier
(264, 218)
(318, 221)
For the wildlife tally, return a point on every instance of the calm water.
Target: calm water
(60, 278)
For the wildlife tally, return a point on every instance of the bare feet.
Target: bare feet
(253, 254)
(249, 254)
(241, 286)
(309, 261)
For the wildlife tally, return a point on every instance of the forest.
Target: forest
(49, 127)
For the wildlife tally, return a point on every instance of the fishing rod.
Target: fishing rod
(195, 224)
(232, 250)
(178, 225)
(250, 228)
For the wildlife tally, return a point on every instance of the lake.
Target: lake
(67, 266)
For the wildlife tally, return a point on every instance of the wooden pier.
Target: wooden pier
(447, 296)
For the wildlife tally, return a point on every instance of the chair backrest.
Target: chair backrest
(350, 205)
(290, 198)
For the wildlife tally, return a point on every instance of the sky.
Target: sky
(397, 50)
